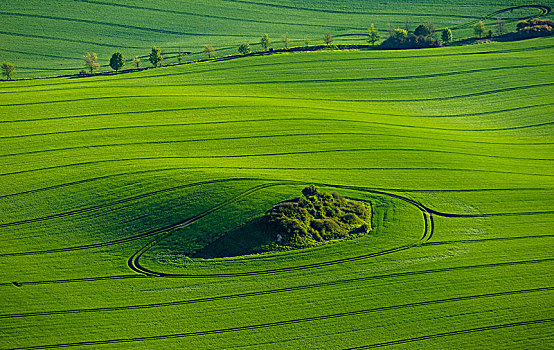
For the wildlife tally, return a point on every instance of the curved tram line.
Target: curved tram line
(134, 263)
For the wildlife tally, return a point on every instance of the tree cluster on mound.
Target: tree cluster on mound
(315, 218)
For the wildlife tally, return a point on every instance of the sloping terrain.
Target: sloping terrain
(45, 38)
(109, 184)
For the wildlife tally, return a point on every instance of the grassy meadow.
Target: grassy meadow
(50, 38)
(110, 184)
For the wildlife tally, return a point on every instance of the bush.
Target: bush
(244, 49)
(400, 34)
(310, 190)
(410, 42)
(317, 217)
(534, 32)
(534, 22)
(422, 30)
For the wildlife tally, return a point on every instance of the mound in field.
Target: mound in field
(307, 221)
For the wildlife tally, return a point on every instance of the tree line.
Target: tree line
(425, 35)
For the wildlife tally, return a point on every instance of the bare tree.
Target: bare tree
(328, 38)
(180, 56)
(407, 25)
(390, 29)
(500, 26)
(286, 40)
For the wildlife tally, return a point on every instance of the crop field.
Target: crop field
(111, 184)
(45, 38)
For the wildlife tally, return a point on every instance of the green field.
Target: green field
(46, 39)
(110, 184)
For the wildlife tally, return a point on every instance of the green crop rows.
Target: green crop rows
(44, 39)
(108, 184)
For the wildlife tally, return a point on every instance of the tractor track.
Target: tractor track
(171, 142)
(311, 319)
(254, 294)
(453, 333)
(424, 99)
(460, 115)
(120, 201)
(545, 47)
(134, 263)
(373, 277)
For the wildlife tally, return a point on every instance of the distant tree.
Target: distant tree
(400, 34)
(8, 70)
(446, 36)
(421, 30)
(286, 40)
(307, 41)
(209, 50)
(180, 56)
(430, 27)
(407, 25)
(479, 29)
(91, 61)
(117, 61)
(500, 26)
(328, 38)
(310, 190)
(155, 57)
(390, 30)
(265, 41)
(245, 49)
(373, 34)
(136, 61)
(426, 29)
(489, 34)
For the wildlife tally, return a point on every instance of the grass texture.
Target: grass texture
(49, 39)
(108, 183)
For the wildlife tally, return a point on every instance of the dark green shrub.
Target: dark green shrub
(310, 190)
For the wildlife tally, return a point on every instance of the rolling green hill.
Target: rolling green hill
(50, 38)
(109, 184)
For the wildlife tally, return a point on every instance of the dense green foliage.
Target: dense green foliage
(155, 56)
(8, 70)
(117, 61)
(265, 42)
(307, 221)
(244, 49)
(446, 35)
(106, 178)
(479, 29)
(317, 217)
(401, 40)
(534, 28)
